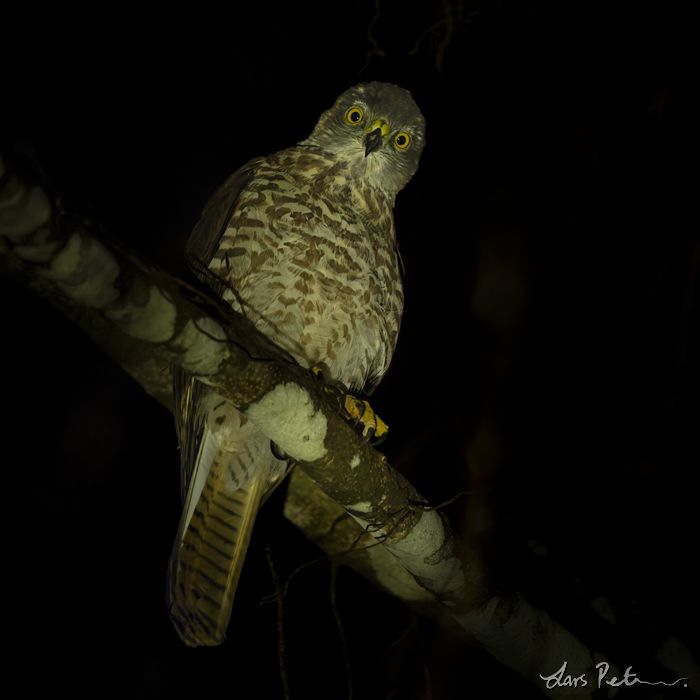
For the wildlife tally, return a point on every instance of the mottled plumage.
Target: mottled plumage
(302, 242)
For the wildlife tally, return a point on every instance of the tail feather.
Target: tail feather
(205, 569)
(227, 467)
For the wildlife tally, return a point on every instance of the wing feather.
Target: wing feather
(204, 240)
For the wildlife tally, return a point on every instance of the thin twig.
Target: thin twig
(280, 621)
(376, 49)
(341, 632)
(424, 659)
(328, 557)
(425, 506)
(449, 30)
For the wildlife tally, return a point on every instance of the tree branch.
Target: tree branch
(147, 320)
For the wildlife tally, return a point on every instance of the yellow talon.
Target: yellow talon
(374, 429)
(320, 371)
(355, 408)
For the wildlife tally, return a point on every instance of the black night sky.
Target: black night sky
(546, 363)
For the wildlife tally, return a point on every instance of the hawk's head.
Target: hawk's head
(378, 129)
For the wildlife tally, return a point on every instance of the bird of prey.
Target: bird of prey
(301, 242)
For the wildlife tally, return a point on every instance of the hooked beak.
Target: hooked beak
(377, 132)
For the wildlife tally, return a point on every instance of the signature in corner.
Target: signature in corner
(562, 679)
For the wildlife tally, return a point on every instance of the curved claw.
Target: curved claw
(321, 372)
(374, 429)
(277, 451)
(355, 410)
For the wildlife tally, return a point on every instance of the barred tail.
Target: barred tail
(206, 562)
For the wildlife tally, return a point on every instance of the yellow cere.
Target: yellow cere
(380, 124)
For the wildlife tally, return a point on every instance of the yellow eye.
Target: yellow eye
(354, 115)
(402, 141)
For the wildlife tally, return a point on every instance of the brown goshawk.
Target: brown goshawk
(301, 242)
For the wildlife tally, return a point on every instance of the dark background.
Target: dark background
(547, 361)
